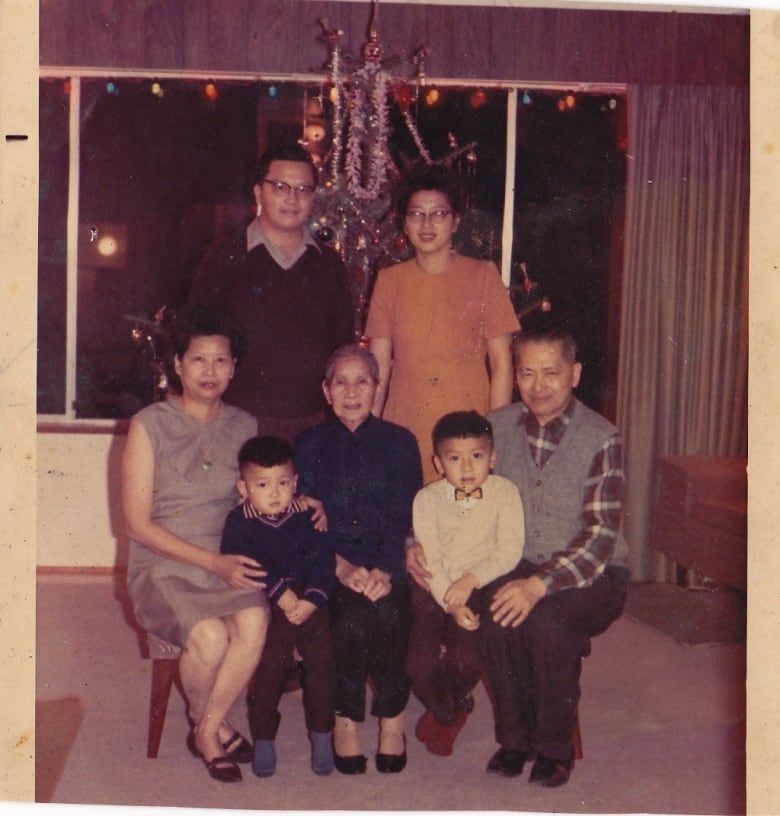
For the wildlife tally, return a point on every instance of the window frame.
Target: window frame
(68, 420)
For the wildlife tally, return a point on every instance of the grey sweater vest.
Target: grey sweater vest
(553, 495)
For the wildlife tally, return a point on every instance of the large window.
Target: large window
(52, 245)
(569, 199)
(158, 169)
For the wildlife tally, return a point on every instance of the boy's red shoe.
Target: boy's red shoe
(439, 739)
(424, 730)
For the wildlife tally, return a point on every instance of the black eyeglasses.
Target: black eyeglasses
(282, 189)
(420, 217)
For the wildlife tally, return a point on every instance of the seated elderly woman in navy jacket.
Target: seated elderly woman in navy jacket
(366, 472)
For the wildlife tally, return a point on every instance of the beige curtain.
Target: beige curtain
(682, 382)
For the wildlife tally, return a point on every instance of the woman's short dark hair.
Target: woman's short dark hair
(430, 177)
(282, 152)
(203, 320)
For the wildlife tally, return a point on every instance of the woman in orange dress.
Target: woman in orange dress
(440, 324)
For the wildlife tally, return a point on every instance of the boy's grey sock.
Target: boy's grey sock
(264, 762)
(321, 752)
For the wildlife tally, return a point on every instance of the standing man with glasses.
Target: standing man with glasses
(290, 293)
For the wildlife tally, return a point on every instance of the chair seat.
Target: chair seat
(160, 649)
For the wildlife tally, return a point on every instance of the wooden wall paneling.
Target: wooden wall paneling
(281, 37)
(542, 44)
(713, 53)
(272, 41)
(228, 24)
(508, 43)
(196, 36)
(734, 53)
(129, 41)
(164, 34)
(652, 46)
(54, 34)
(604, 47)
(526, 28)
(585, 47)
(108, 33)
(95, 32)
(543, 47)
(463, 35)
(569, 46)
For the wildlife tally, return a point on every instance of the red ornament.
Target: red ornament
(478, 98)
(403, 96)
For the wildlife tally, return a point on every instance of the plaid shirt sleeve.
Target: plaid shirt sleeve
(587, 555)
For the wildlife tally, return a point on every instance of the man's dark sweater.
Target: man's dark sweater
(293, 318)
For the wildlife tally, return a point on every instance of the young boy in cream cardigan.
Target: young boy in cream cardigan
(471, 527)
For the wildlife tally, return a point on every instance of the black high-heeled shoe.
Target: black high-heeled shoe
(391, 763)
(350, 764)
(221, 768)
(238, 748)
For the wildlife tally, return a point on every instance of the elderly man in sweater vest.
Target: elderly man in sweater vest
(571, 583)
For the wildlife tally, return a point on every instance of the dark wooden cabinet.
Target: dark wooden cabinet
(700, 515)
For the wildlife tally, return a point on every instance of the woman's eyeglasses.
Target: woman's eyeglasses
(282, 189)
(435, 216)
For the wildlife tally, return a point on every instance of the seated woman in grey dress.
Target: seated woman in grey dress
(179, 476)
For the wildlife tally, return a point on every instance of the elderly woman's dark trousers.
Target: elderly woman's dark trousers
(370, 641)
(534, 669)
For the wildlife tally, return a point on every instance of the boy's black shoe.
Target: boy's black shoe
(551, 773)
(506, 762)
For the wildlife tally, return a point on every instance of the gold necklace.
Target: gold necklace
(208, 463)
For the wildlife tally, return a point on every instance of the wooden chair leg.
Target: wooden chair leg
(577, 738)
(163, 674)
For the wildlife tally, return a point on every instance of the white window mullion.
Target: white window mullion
(509, 187)
(71, 263)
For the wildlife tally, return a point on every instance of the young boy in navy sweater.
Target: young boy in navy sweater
(274, 529)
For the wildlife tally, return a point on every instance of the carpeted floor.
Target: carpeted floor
(691, 616)
(56, 725)
(662, 726)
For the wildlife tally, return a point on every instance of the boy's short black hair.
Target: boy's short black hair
(461, 425)
(265, 451)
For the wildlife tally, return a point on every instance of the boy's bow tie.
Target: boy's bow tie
(476, 493)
